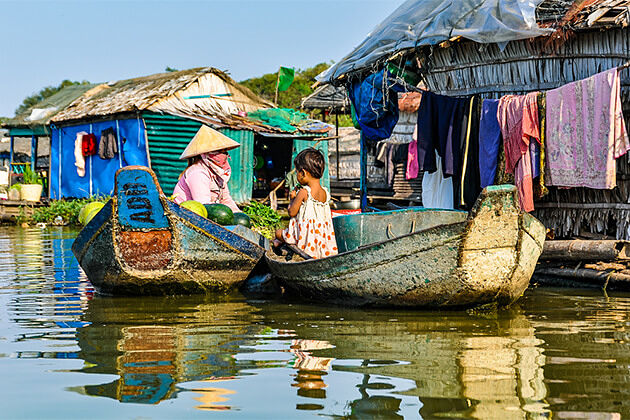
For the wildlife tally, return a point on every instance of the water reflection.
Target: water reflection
(562, 354)
(362, 363)
(461, 364)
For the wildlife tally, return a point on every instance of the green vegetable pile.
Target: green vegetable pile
(264, 219)
(68, 210)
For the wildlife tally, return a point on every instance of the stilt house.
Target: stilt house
(493, 52)
(153, 118)
(343, 153)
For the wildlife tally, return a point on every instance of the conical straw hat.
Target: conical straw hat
(208, 140)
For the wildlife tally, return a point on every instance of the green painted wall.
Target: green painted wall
(168, 137)
(38, 130)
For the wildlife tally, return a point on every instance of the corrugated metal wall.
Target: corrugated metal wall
(168, 137)
(242, 180)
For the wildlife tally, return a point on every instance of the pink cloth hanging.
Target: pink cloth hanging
(413, 167)
(518, 118)
(585, 132)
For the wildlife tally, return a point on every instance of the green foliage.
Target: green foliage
(170, 69)
(264, 219)
(31, 177)
(265, 86)
(68, 210)
(46, 92)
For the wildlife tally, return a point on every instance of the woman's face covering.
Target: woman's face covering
(219, 158)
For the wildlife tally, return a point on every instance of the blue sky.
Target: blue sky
(44, 42)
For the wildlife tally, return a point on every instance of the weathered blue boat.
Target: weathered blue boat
(141, 243)
(423, 257)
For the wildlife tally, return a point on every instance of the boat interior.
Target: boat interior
(357, 230)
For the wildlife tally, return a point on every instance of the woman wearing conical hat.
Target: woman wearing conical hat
(206, 178)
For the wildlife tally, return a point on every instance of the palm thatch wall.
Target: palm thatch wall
(466, 68)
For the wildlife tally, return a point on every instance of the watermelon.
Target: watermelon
(90, 215)
(242, 219)
(220, 213)
(195, 207)
(87, 209)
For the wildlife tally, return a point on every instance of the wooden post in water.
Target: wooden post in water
(11, 160)
(363, 173)
(33, 152)
(337, 143)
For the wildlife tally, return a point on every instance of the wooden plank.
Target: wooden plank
(593, 250)
(588, 275)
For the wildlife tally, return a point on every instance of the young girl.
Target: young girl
(310, 228)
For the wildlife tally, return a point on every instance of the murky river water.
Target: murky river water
(65, 353)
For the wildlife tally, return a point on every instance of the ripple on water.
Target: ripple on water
(557, 353)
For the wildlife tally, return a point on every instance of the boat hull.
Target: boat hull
(140, 243)
(486, 257)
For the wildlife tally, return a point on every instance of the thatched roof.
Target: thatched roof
(419, 23)
(41, 113)
(202, 91)
(585, 14)
(328, 97)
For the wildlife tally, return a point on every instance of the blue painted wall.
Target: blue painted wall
(99, 173)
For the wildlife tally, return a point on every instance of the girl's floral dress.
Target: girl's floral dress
(312, 229)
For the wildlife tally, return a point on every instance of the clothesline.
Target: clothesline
(516, 126)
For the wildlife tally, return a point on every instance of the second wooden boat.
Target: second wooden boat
(141, 243)
(424, 257)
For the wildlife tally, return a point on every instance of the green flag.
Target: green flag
(285, 78)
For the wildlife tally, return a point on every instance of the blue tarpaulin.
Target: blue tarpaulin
(99, 173)
(375, 101)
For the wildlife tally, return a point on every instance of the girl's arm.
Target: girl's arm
(296, 203)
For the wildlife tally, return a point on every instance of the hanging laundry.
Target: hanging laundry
(502, 177)
(585, 132)
(518, 119)
(375, 101)
(540, 190)
(412, 157)
(534, 152)
(108, 147)
(388, 155)
(440, 120)
(466, 185)
(79, 159)
(409, 102)
(437, 191)
(489, 142)
(88, 144)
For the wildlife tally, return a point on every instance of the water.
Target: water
(65, 353)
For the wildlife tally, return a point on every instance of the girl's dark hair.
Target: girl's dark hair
(312, 161)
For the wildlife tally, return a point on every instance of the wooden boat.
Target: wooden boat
(423, 257)
(141, 243)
